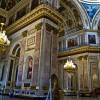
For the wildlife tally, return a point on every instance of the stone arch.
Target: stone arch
(96, 20)
(82, 11)
(16, 45)
(16, 49)
(14, 64)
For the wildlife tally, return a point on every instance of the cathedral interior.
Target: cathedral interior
(46, 35)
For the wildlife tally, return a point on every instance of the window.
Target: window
(21, 13)
(11, 20)
(3, 4)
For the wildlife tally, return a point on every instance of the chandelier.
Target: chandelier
(3, 37)
(69, 66)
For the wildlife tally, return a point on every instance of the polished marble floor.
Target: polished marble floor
(12, 98)
(80, 98)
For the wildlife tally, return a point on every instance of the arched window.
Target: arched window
(3, 4)
(15, 49)
(14, 63)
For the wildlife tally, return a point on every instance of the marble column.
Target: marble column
(48, 56)
(99, 66)
(89, 77)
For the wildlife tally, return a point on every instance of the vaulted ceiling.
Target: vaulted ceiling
(71, 14)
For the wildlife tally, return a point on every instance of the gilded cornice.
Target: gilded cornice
(39, 12)
(92, 30)
(83, 49)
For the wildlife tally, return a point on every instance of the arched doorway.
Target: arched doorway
(14, 63)
(54, 80)
(55, 87)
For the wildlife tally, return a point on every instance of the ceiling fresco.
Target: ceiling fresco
(91, 7)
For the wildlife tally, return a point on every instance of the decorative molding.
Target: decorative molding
(50, 28)
(83, 57)
(82, 12)
(39, 12)
(84, 49)
(38, 26)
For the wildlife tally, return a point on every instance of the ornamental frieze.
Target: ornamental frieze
(79, 50)
(37, 13)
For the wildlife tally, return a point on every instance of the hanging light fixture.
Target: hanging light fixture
(69, 66)
(3, 37)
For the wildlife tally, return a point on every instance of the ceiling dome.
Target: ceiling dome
(71, 14)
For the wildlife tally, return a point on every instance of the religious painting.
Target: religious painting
(29, 71)
(72, 42)
(92, 39)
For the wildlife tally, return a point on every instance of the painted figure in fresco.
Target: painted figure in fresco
(29, 72)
